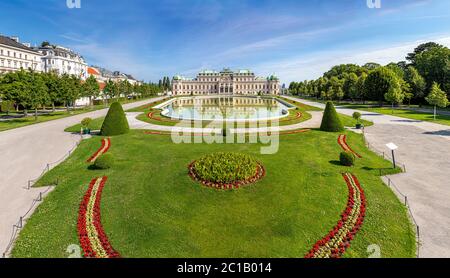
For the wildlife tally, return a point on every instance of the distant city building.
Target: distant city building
(115, 76)
(62, 61)
(226, 82)
(15, 56)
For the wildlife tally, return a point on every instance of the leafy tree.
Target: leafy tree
(371, 66)
(111, 90)
(411, 57)
(52, 81)
(396, 69)
(437, 97)
(378, 83)
(90, 89)
(434, 65)
(360, 87)
(394, 93)
(38, 91)
(415, 81)
(350, 86)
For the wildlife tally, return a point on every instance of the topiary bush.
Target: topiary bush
(105, 161)
(115, 122)
(331, 121)
(347, 159)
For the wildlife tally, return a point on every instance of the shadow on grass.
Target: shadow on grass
(382, 171)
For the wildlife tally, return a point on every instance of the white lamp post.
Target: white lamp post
(392, 147)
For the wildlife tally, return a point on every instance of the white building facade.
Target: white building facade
(15, 56)
(63, 61)
(226, 82)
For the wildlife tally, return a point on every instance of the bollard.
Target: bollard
(406, 200)
(20, 223)
(418, 231)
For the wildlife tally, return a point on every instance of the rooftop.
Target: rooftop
(13, 43)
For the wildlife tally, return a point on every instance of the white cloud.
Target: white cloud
(314, 65)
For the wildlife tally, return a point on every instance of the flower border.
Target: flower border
(260, 173)
(106, 144)
(337, 241)
(149, 132)
(92, 237)
(151, 115)
(342, 141)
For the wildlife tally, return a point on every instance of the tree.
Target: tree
(360, 87)
(411, 57)
(111, 90)
(378, 83)
(351, 86)
(330, 120)
(394, 94)
(38, 91)
(371, 66)
(415, 81)
(52, 81)
(434, 65)
(91, 89)
(437, 97)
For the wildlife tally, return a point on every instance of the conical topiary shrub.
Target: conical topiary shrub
(115, 121)
(331, 121)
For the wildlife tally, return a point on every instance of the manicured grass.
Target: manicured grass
(152, 208)
(405, 113)
(30, 120)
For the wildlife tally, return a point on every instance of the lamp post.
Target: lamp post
(392, 147)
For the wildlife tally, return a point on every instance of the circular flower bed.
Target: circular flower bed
(226, 170)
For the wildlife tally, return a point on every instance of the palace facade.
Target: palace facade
(226, 82)
(15, 55)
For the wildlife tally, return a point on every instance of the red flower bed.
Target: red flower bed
(106, 144)
(200, 134)
(260, 173)
(93, 239)
(338, 240)
(342, 141)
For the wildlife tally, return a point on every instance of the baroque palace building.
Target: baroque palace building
(226, 82)
(15, 55)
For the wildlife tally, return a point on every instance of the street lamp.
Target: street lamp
(392, 147)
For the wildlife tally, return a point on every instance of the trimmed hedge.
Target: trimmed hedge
(105, 161)
(347, 159)
(331, 121)
(115, 122)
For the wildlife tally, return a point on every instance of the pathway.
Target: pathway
(425, 149)
(24, 153)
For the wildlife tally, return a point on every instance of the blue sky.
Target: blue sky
(296, 39)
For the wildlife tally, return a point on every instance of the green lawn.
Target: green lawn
(405, 113)
(30, 120)
(151, 208)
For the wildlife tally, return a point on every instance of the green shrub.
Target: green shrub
(347, 159)
(225, 167)
(105, 161)
(115, 121)
(357, 116)
(86, 122)
(331, 121)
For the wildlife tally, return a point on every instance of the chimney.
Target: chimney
(27, 44)
(16, 39)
